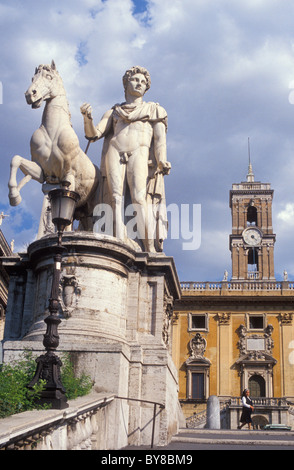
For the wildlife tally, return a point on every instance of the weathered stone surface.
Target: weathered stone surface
(116, 322)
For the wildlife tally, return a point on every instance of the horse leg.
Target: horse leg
(30, 170)
(69, 146)
(23, 181)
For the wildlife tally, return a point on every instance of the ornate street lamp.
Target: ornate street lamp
(63, 203)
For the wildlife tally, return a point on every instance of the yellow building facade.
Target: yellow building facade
(239, 333)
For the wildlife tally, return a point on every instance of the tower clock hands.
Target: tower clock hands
(252, 236)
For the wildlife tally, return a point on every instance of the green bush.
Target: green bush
(74, 386)
(15, 397)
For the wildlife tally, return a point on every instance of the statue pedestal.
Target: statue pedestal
(116, 312)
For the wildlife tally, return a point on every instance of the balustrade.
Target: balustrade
(79, 427)
(265, 286)
(261, 405)
(88, 423)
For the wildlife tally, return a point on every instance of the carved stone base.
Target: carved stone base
(48, 368)
(116, 313)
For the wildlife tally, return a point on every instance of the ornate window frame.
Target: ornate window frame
(190, 323)
(200, 369)
(249, 315)
(197, 363)
(256, 360)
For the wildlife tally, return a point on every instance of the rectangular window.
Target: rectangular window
(256, 322)
(198, 322)
(197, 386)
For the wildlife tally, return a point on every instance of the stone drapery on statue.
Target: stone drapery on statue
(133, 162)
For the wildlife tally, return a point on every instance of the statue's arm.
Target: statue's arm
(159, 136)
(93, 132)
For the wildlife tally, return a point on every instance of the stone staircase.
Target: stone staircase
(189, 439)
(198, 419)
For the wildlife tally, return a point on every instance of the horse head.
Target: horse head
(46, 84)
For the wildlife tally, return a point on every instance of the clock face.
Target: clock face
(252, 236)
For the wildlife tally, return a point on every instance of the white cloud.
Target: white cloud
(222, 70)
(287, 215)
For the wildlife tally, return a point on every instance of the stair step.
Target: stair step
(235, 437)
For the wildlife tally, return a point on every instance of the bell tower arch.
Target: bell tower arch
(252, 239)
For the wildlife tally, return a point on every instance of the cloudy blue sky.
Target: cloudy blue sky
(223, 70)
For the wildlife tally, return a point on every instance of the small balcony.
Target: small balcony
(253, 275)
(275, 411)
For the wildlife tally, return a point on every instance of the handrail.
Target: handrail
(161, 406)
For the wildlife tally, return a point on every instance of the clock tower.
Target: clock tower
(252, 239)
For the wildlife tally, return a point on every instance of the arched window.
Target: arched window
(251, 215)
(253, 260)
(256, 386)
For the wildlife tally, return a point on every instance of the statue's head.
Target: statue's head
(134, 70)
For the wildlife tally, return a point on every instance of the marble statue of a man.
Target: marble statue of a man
(134, 158)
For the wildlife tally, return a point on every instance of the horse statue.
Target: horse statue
(56, 156)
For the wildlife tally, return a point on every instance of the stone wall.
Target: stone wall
(116, 307)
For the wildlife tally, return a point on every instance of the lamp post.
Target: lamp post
(63, 204)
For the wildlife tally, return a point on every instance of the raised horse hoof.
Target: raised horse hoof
(15, 199)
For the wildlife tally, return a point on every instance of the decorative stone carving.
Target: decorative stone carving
(269, 342)
(224, 318)
(242, 342)
(168, 315)
(197, 346)
(286, 318)
(56, 156)
(256, 356)
(46, 224)
(255, 346)
(69, 291)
